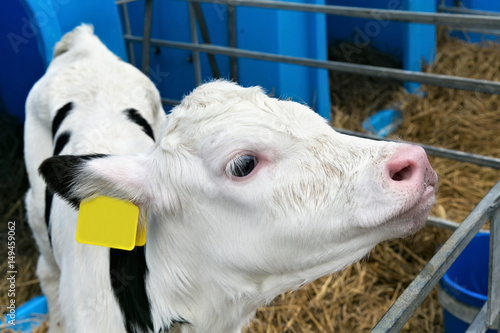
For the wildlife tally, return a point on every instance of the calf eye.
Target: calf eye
(243, 165)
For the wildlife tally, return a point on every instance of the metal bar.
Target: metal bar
(122, 2)
(126, 23)
(169, 101)
(464, 10)
(494, 266)
(479, 31)
(479, 325)
(478, 21)
(442, 223)
(485, 161)
(194, 40)
(399, 313)
(146, 41)
(383, 72)
(231, 22)
(198, 12)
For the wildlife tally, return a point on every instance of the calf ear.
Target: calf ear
(77, 177)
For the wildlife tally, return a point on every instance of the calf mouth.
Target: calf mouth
(413, 215)
(413, 218)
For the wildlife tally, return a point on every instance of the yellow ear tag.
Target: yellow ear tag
(109, 222)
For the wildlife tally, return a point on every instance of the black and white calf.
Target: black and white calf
(88, 102)
(246, 196)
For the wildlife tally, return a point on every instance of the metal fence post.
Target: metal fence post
(146, 41)
(202, 24)
(491, 308)
(231, 22)
(194, 40)
(128, 31)
(494, 265)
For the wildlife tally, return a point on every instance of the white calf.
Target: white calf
(247, 197)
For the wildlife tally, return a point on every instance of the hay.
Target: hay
(13, 185)
(355, 299)
(461, 120)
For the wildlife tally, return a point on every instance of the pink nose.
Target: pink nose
(409, 166)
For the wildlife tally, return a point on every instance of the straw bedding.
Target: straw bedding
(13, 185)
(355, 299)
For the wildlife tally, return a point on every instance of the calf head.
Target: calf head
(257, 188)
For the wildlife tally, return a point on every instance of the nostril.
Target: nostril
(403, 174)
(409, 166)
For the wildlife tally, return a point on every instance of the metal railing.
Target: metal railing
(455, 17)
(489, 208)
(457, 20)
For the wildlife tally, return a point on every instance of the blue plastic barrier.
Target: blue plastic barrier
(383, 123)
(20, 61)
(28, 316)
(33, 26)
(172, 70)
(290, 33)
(267, 30)
(31, 29)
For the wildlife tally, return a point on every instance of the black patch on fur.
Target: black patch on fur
(61, 142)
(48, 207)
(59, 173)
(128, 271)
(136, 117)
(60, 115)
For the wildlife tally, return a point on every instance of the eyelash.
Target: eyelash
(242, 165)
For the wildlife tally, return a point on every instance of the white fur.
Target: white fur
(217, 246)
